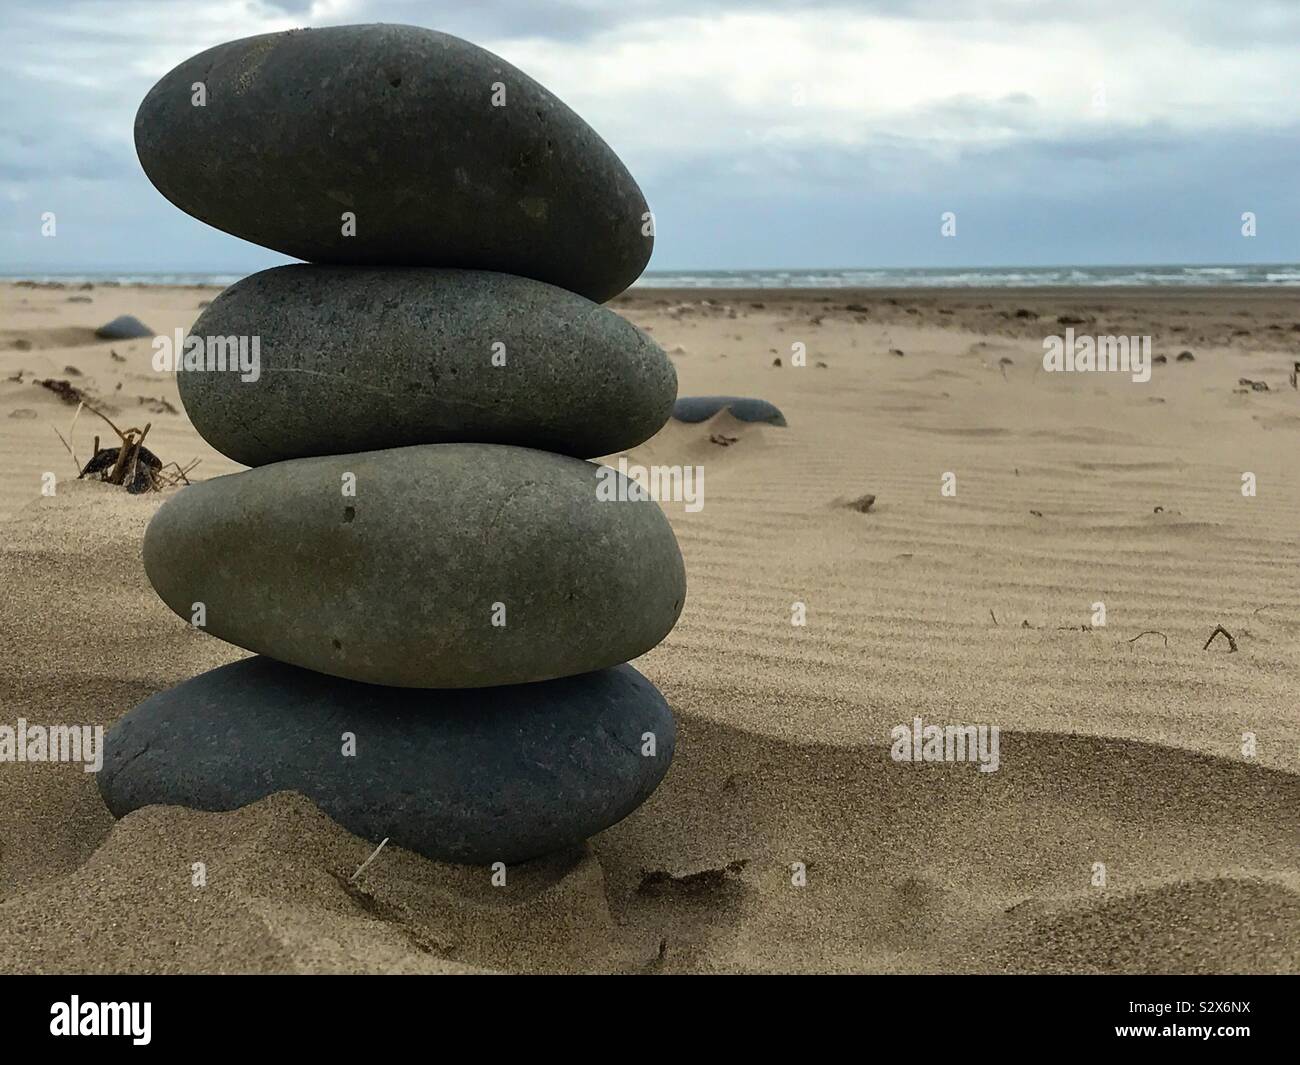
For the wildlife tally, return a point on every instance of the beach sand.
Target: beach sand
(1117, 750)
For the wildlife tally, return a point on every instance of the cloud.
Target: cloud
(831, 122)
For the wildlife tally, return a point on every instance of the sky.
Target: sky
(764, 133)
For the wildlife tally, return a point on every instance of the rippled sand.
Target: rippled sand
(1123, 831)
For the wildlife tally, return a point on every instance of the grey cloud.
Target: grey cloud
(1102, 195)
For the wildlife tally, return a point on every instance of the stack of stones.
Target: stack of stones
(441, 597)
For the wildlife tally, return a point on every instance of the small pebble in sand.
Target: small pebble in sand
(1070, 319)
(1186, 356)
(862, 504)
(896, 351)
(123, 327)
(1160, 360)
(776, 362)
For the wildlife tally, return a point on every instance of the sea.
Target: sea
(1160, 276)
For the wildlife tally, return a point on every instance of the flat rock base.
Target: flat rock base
(473, 776)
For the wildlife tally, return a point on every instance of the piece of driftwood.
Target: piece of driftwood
(130, 464)
(1220, 630)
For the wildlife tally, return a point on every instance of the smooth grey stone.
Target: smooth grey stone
(701, 408)
(124, 327)
(395, 124)
(358, 359)
(459, 776)
(397, 584)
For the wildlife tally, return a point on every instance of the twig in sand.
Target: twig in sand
(167, 479)
(72, 429)
(1232, 644)
(68, 447)
(361, 868)
(115, 429)
(993, 616)
(1150, 632)
(130, 463)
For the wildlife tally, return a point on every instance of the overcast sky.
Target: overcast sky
(764, 134)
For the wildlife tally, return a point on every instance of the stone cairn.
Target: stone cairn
(441, 592)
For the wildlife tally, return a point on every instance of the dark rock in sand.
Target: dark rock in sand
(104, 461)
(397, 125)
(461, 776)
(361, 359)
(125, 327)
(400, 583)
(1186, 356)
(701, 408)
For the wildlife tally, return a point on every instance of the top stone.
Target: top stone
(393, 146)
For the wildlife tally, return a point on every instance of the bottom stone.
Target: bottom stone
(474, 775)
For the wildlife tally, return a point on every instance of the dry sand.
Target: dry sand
(1072, 489)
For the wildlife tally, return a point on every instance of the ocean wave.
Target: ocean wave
(1159, 276)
